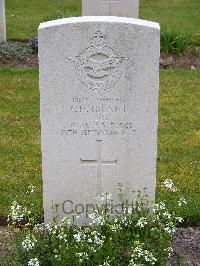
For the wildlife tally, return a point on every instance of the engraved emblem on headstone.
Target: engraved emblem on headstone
(99, 162)
(98, 67)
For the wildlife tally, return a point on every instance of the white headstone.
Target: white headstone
(120, 8)
(99, 83)
(2, 22)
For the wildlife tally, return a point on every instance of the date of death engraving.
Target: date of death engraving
(98, 128)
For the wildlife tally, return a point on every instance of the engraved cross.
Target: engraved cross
(99, 162)
(110, 4)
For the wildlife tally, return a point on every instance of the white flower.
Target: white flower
(161, 205)
(39, 227)
(79, 215)
(105, 264)
(115, 227)
(141, 222)
(156, 218)
(179, 219)
(96, 218)
(158, 206)
(82, 256)
(93, 250)
(167, 214)
(48, 227)
(65, 221)
(154, 229)
(124, 220)
(130, 209)
(54, 228)
(182, 201)
(106, 197)
(33, 262)
(139, 253)
(98, 241)
(149, 257)
(60, 237)
(31, 189)
(168, 183)
(79, 236)
(29, 243)
(170, 228)
(169, 250)
(90, 240)
(17, 213)
(57, 257)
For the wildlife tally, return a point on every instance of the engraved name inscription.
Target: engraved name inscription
(104, 105)
(104, 111)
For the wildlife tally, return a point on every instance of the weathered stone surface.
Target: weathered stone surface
(120, 8)
(2, 22)
(99, 100)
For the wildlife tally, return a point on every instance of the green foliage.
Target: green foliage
(54, 16)
(20, 152)
(23, 17)
(14, 50)
(137, 235)
(194, 51)
(178, 138)
(172, 41)
(175, 14)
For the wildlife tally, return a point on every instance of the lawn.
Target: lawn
(20, 153)
(178, 136)
(23, 17)
(20, 136)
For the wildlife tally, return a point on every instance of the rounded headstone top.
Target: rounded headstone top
(103, 19)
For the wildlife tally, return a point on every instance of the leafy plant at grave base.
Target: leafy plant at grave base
(14, 50)
(54, 16)
(33, 44)
(136, 236)
(172, 41)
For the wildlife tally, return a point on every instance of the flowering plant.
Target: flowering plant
(33, 44)
(138, 235)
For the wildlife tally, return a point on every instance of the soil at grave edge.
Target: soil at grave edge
(186, 247)
(188, 60)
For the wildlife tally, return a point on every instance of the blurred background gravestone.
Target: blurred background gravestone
(2, 22)
(119, 8)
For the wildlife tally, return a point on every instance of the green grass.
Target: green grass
(23, 17)
(20, 136)
(182, 15)
(178, 137)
